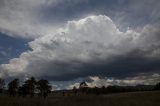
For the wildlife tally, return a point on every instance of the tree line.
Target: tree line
(32, 87)
(114, 89)
(29, 87)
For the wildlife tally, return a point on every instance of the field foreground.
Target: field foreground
(122, 99)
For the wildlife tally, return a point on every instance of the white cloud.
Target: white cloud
(89, 40)
(96, 81)
(130, 81)
(73, 85)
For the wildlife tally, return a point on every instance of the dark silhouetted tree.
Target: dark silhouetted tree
(43, 87)
(2, 85)
(103, 90)
(75, 90)
(13, 87)
(30, 86)
(22, 91)
(157, 86)
(83, 87)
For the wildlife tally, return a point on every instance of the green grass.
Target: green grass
(121, 99)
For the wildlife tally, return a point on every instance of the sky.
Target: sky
(102, 42)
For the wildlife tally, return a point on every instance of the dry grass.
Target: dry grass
(121, 99)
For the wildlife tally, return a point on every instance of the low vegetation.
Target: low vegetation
(149, 98)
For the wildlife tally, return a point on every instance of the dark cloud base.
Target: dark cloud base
(120, 67)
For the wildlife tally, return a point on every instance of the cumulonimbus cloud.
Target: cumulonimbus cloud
(90, 46)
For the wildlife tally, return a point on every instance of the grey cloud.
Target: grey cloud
(89, 47)
(34, 18)
(21, 18)
(125, 13)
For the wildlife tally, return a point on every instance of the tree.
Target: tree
(22, 90)
(157, 87)
(30, 86)
(44, 87)
(75, 90)
(13, 87)
(2, 85)
(103, 89)
(83, 87)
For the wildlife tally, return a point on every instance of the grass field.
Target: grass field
(122, 99)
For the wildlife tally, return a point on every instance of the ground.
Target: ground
(150, 98)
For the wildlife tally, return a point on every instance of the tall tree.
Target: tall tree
(2, 85)
(30, 85)
(28, 88)
(13, 87)
(22, 90)
(44, 87)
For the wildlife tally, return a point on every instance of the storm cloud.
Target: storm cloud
(89, 47)
(68, 41)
